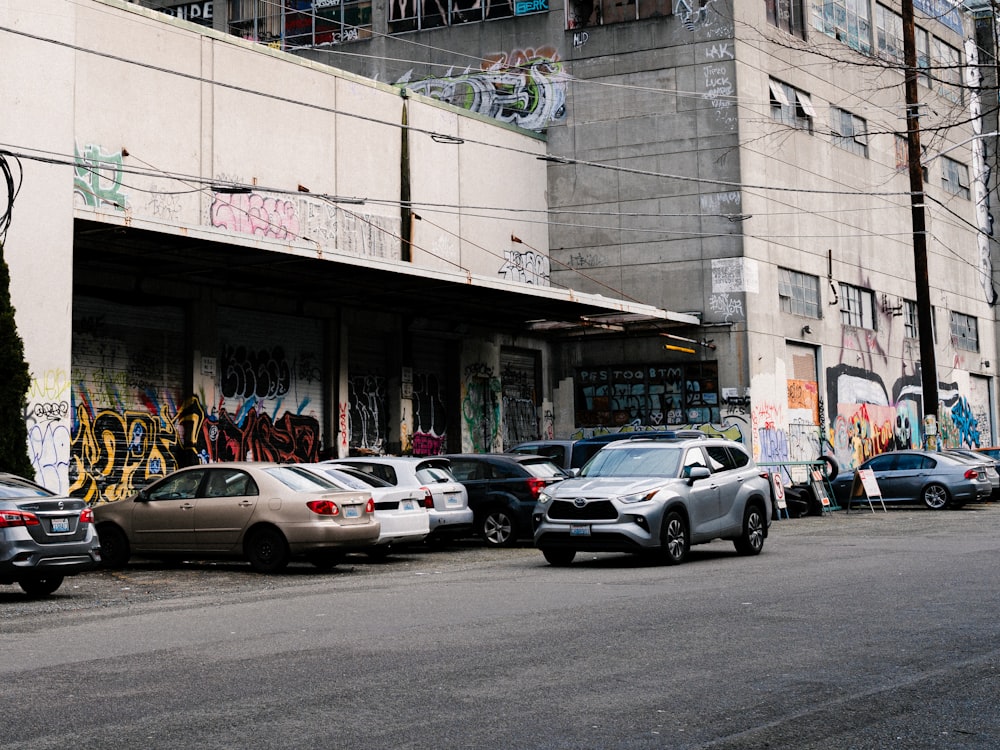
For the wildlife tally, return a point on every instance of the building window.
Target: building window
(786, 15)
(850, 132)
(965, 332)
(923, 45)
(317, 23)
(798, 293)
(888, 35)
(791, 106)
(256, 20)
(849, 21)
(955, 177)
(650, 395)
(857, 306)
(911, 323)
(582, 13)
(946, 70)
(412, 15)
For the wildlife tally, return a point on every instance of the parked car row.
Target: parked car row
(654, 495)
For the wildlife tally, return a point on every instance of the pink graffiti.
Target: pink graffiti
(256, 214)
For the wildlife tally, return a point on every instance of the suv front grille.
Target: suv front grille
(599, 510)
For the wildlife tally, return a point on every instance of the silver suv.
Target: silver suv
(656, 498)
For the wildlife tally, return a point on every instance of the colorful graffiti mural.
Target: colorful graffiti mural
(114, 454)
(526, 88)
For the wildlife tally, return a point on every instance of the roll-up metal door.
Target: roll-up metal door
(128, 374)
(519, 375)
(367, 373)
(270, 383)
(430, 359)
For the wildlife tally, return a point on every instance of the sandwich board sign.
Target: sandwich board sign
(865, 485)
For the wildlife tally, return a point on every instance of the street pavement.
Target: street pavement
(860, 630)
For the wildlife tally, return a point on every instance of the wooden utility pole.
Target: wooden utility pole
(925, 323)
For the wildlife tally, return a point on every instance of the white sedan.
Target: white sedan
(401, 511)
(447, 499)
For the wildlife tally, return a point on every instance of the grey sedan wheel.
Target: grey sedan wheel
(674, 539)
(499, 529)
(40, 586)
(751, 540)
(267, 550)
(935, 496)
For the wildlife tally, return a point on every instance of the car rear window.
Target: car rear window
(14, 487)
(543, 469)
(299, 479)
(430, 474)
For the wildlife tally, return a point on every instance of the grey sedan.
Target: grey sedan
(938, 480)
(43, 536)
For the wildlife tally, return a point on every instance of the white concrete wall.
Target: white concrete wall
(156, 111)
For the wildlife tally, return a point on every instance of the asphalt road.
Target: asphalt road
(855, 630)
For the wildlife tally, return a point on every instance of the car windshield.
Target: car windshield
(15, 487)
(635, 461)
(299, 480)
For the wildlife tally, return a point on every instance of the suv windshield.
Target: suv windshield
(635, 461)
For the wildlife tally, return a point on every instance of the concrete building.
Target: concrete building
(214, 254)
(743, 162)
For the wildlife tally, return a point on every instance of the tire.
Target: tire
(751, 539)
(675, 539)
(267, 550)
(832, 468)
(935, 496)
(326, 560)
(115, 549)
(559, 557)
(498, 528)
(379, 552)
(41, 586)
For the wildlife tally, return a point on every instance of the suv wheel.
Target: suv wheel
(751, 539)
(559, 557)
(674, 538)
(498, 528)
(40, 586)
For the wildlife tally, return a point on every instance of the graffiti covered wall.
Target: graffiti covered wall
(133, 422)
(526, 88)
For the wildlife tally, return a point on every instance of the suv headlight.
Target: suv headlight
(639, 497)
(544, 497)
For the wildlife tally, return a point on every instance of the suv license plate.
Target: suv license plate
(579, 531)
(60, 524)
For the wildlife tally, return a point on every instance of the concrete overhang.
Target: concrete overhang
(151, 255)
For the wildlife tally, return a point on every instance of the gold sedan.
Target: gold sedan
(265, 513)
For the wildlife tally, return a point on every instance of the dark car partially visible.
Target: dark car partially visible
(44, 537)
(503, 489)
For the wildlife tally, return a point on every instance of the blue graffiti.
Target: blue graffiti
(965, 422)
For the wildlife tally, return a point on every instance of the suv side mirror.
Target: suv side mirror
(698, 472)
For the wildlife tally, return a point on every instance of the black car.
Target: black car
(503, 489)
(43, 536)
